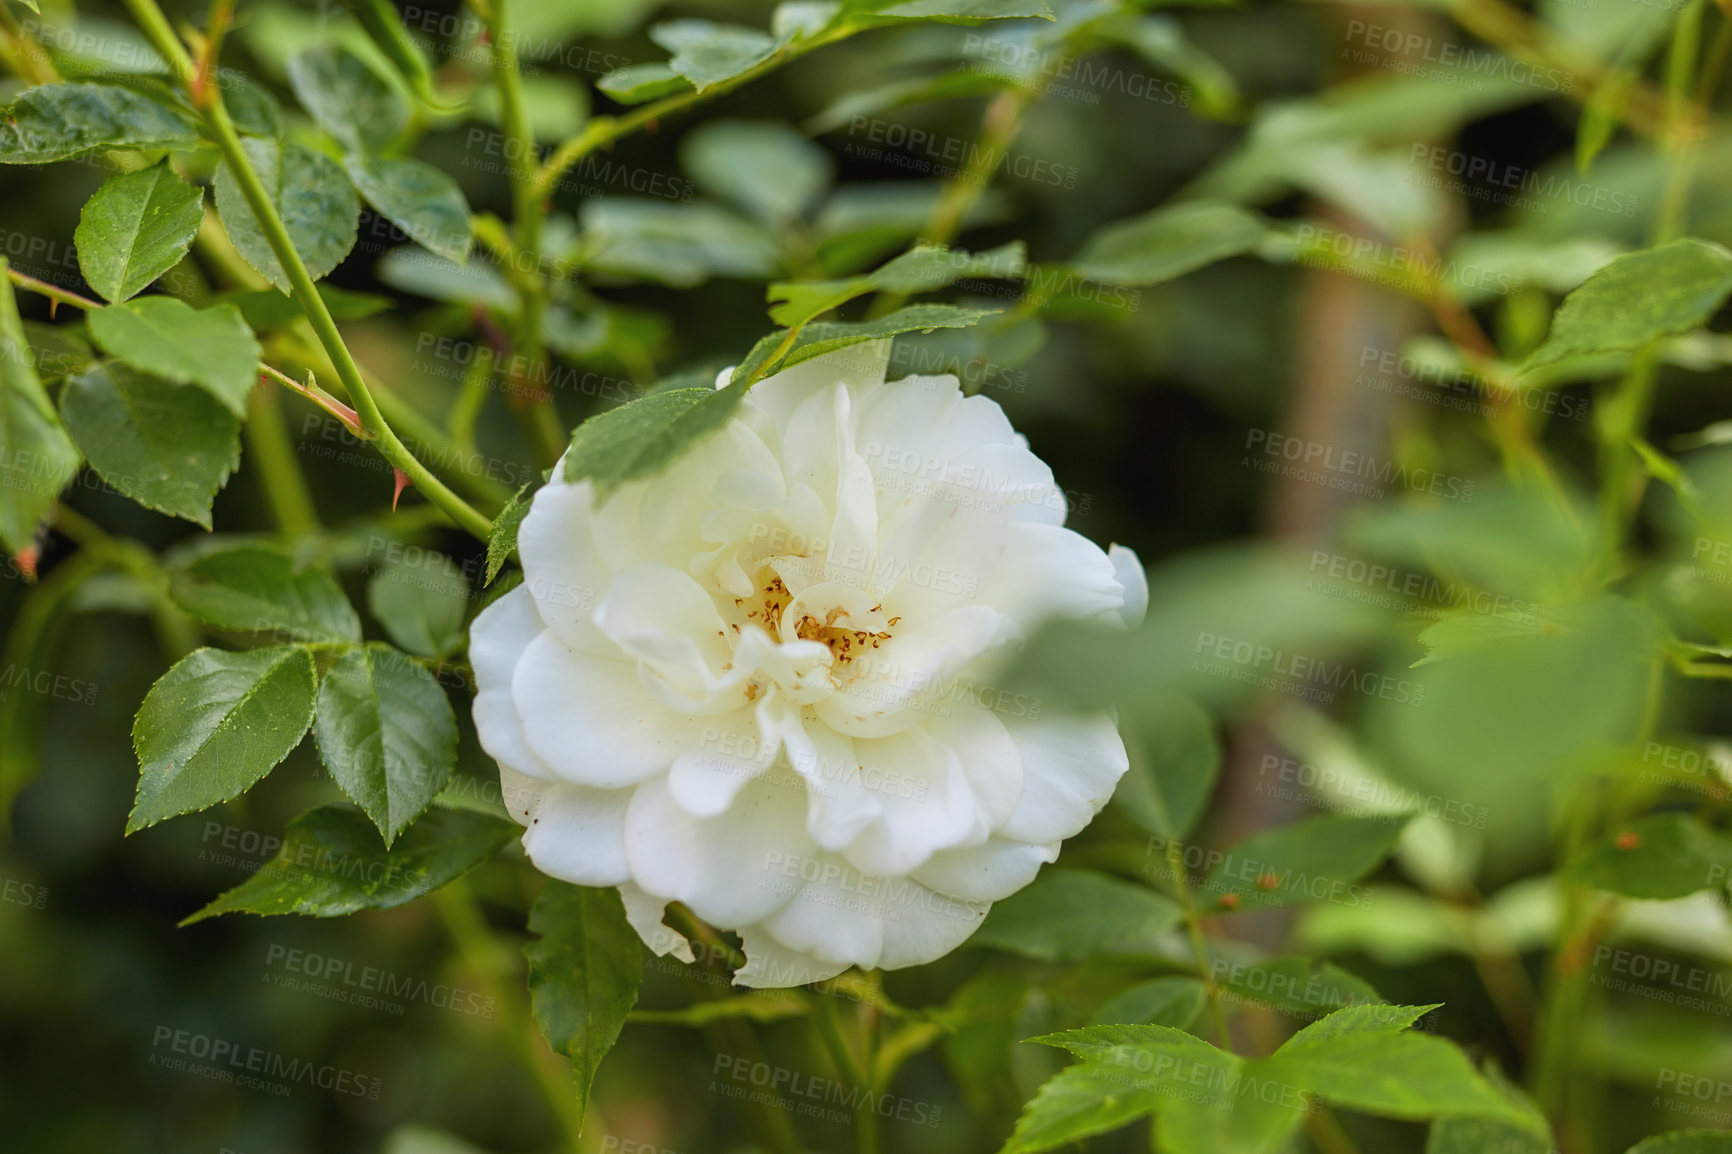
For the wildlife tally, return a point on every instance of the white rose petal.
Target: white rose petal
(760, 683)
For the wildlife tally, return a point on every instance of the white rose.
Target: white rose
(760, 682)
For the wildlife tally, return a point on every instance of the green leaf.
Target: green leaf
(1315, 859)
(1127, 1072)
(1395, 1075)
(1161, 40)
(38, 616)
(956, 11)
(895, 94)
(58, 121)
(1367, 1019)
(37, 458)
(417, 198)
(827, 336)
(333, 863)
(707, 53)
(762, 166)
(413, 270)
(1168, 243)
(584, 973)
(638, 83)
(674, 244)
(919, 270)
(167, 446)
(421, 606)
(211, 348)
(56, 351)
(646, 436)
(1175, 759)
(1637, 298)
(1171, 1001)
(1300, 986)
(216, 723)
(348, 99)
(1082, 1100)
(250, 105)
(135, 228)
(1256, 1112)
(1464, 1135)
(1208, 1100)
(386, 732)
(1602, 114)
(1660, 857)
(268, 309)
(502, 538)
(310, 193)
(1073, 914)
(260, 589)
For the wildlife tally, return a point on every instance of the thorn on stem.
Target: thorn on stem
(401, 481)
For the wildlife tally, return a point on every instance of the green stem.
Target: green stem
(858, 1072)
(305, 294)
(601, 131)
(998, 129)
(1199, 944)
(174, 629)
(483, 953)
(540, 420)
(269, 446)
(466, 410)
(30, 635)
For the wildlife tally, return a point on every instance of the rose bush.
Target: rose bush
(761, 683)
